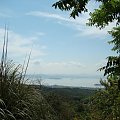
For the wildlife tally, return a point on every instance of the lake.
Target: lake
(66, 80)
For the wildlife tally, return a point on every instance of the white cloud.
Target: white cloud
(43, 47)
(78, 24)
(4, 15)
(19, 46)
(40, 33)
(46, 14)
(68, 67)
(93, 31)
(82, 20)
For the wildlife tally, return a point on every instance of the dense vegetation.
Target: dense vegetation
(69, 103)
(20, 101)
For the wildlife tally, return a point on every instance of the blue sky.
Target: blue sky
(60, 44)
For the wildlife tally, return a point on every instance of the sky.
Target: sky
(60, 44)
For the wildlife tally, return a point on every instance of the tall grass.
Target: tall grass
(18, 100)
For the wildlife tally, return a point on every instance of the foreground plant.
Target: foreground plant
(18, 100)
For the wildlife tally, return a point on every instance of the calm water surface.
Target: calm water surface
(75, 81)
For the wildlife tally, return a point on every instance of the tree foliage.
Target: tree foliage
(116, 39)
(108, 11)
(76, 6)
(105, 105)
(113, 64)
